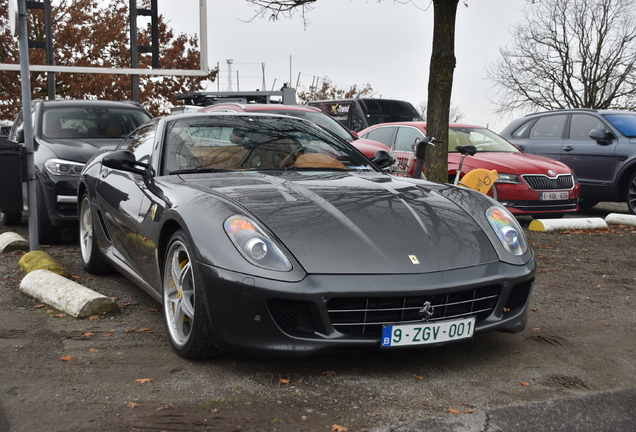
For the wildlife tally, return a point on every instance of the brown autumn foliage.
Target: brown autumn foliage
(329, 91)
(96, 33)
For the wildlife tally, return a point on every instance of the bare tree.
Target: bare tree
(569, 54)
(441, 69)
(328, 90)
(456, 114)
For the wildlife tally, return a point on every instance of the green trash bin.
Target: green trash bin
(12, 171)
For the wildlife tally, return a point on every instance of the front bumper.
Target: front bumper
(325, 313)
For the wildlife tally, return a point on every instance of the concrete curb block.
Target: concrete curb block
(65, 295)
(10, 242)
(40, 260)
(547, 225)
(620, 219)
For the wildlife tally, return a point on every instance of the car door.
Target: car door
(120, 195)
(383, 134)
(543, 136)
(594, 164)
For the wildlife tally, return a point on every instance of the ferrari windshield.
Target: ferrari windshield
(249, 142)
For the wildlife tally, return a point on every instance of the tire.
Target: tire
(9, 219)
(187, 320)
(631, 194)
(587, 203)
(92, 259)
(48, 234)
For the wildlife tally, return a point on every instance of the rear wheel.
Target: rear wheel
(186, 317)
(631, 194)
(8, 219)
(47, 232)
(92, 259)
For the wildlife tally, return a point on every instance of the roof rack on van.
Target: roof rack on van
(286, 95)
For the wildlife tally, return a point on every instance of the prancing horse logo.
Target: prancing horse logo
(426, 311)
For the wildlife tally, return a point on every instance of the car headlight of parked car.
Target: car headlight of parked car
(508, 230)
(63, 167)
(508, 178)
(255, 245)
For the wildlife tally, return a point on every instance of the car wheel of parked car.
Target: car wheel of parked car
(184, 309)
(631, 194)
(8, 219)
(47, 232)
(587, 203)
(92, 259)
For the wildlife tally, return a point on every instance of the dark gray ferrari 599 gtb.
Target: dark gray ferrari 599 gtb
(266, 234)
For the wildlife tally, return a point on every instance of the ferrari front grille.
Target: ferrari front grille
(353, 315)
(543, 182)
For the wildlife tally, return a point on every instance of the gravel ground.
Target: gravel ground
(118, 373)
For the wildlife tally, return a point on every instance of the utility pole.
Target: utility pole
(229, 74)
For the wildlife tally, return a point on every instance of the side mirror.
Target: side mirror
(124, 160)
(384, 159)
(601, 137)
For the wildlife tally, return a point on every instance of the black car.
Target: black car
(267, 234)
(599, 146)
(67, 133)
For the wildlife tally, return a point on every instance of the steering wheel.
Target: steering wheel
(290, 159)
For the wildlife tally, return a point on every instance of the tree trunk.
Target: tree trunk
(440, 84)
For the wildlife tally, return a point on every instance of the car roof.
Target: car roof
(422, 124)
(260, 107)
(86, 102)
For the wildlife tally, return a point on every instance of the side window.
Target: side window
(548, 128)
(582, 124)
(383, 135)
(141, 143)
(406, 137)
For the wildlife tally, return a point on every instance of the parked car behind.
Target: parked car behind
(527, 185)
(599, 146)
(366, 146)
(266, 234)
(359, 113)
(67, 133)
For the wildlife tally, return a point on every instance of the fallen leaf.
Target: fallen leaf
(60, 315)
(93, 317)
(144, 329)
(329, 373)
(165, 407)
(93, 350)
(607, 324)
(524, 383)
(125, 304)
(453, 410)
(75, 277)
(338, 428)
(130, 330)
(285, 381)
(109, 334)
(516, 352)
(534, 309)
(133, 405)
(114, 298)
(303, 418)
(88, 334)
(39, 306)
(418, 377)
(144, 380)
(67, 358)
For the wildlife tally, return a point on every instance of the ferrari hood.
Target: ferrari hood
(511, 163)
(367, 223)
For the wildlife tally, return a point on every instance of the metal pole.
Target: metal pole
(50, 60)
(28, 124)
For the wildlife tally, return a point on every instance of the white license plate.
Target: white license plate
(554, 196)
(427, 333)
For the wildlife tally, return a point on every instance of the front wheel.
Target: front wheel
(92, 259)
(631, 194)
(186, 317)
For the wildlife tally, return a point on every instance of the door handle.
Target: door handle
(568, 148)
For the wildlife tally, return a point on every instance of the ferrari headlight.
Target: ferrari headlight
(508, 178)
(508, 230)
(63, 167)
(255, 245)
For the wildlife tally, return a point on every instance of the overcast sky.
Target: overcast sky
(354, 42)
